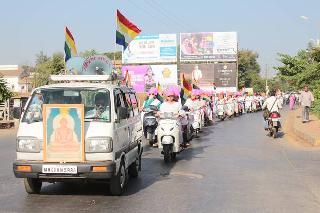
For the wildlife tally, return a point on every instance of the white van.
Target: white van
(112, 142)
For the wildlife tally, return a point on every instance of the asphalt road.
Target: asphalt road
(233, 167)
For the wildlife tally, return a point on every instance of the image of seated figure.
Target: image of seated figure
(63, 138)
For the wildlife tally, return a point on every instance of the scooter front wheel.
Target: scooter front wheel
(151, 142)
(167, 153)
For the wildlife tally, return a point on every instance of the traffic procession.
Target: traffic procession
(165, 122)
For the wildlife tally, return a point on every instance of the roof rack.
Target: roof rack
(81, 77)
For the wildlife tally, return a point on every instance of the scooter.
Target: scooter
(169, 136)
(186, 119)
(197, 122)
(220, 111)
(150, 124)
(229, 109)
(274, 124)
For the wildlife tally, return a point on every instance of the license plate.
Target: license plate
(59, 169)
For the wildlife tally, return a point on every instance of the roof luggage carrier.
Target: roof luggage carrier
(83, 78)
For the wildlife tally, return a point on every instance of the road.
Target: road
(233, 167)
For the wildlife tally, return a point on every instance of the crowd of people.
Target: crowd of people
(211, 105)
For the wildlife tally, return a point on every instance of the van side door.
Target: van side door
(121, 126)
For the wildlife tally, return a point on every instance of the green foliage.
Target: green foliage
(302, 69)
(88, 53)
(5, 93)
(47, 66)
(249, 71)
(114, 55)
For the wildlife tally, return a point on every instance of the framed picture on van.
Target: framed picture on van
(63, 127)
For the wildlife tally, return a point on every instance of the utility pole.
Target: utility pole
(266, 76)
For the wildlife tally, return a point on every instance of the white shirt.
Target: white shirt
(272, 101)
(197, 75)
(170, 107)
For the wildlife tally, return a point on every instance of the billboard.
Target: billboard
(200, 74)
(143, 77)
(151, 49)
(223, 75)
(208, 46)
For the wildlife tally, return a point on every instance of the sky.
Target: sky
(267, 27)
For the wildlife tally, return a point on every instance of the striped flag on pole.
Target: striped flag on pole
(126, 31)
(69, 45)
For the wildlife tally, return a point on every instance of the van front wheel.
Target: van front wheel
(135, 167)
(118, 182)
(32, 185)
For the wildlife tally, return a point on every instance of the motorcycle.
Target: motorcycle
(150, 124)
(274, 124)
(169, 135)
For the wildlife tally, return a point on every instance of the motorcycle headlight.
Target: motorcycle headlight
(99, 145)
(28, 145)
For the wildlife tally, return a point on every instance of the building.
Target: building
(16, 80)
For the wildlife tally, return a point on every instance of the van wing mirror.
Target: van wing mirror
(16, 112)
(122, 113)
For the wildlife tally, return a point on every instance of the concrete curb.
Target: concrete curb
(302, 133)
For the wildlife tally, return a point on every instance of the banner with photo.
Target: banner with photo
(151, 49)
(208, 46)
(201, 75)
(205, 76)
(143, 77)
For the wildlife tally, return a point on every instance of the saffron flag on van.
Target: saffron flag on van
(126, 31)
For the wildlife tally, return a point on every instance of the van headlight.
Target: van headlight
(28, 145)
(97, 145)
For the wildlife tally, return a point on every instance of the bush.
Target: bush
(316, 92)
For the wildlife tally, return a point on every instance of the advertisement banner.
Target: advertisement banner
(223, 75)
(143, 77)
(209, 46)
(151, 49)
(200, 74)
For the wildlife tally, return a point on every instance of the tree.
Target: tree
(88, 53)
(47, 66)
(41, 58)
(302, 69)
(249, 71)
(114, 55)
(5, 93)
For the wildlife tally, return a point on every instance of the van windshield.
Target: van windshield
(96, 102)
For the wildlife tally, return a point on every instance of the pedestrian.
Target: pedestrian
(292, 100)
(306, 99)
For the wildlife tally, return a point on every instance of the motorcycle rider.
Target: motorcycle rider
(172, 104)
(272, 104)
(193, 102)
(151, 100)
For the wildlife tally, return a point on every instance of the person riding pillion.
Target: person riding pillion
(271, 104)
(152, 99)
